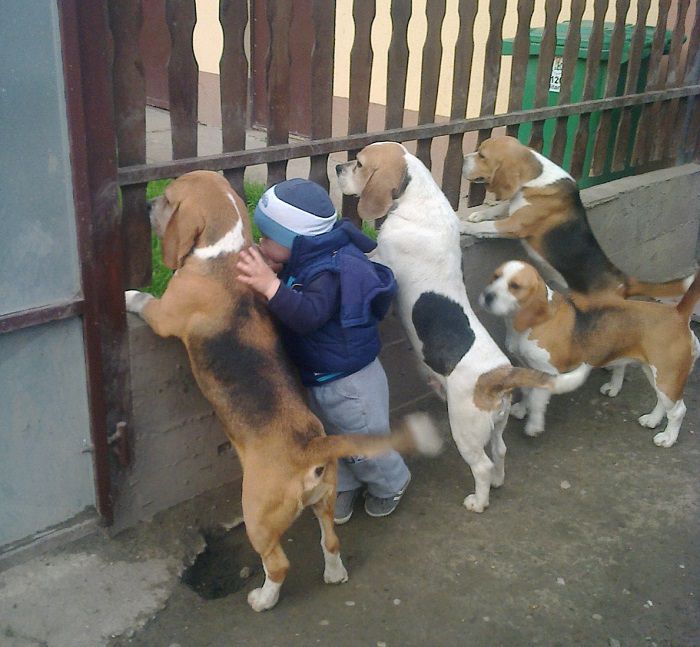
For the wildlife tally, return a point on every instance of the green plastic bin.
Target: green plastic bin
(577, 92)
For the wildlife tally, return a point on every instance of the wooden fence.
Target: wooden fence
(643, 127)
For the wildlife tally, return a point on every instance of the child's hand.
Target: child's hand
(256, 273)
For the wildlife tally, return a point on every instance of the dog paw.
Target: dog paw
(665, 439)
(135, 300)
(262, 599)
(533, 429)
(471, 504)
(497, 481)
(477, 216)
(467, 227)
(336, 574)
(610, 389)
(518, 410)
(650, 420)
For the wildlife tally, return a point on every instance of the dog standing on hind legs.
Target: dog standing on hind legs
(236, 357)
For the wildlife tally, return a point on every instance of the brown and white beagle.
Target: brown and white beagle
(556, 333)
(288, 461)
(546, 213)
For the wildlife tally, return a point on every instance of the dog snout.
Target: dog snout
(468, 164)
(486, 298)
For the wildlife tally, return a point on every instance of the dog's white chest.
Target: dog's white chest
(529, 351)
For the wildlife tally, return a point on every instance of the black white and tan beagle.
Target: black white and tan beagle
(288, 461)
(419, 241)
(556, 333)
(545, 212)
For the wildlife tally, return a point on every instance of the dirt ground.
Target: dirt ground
(593, 540)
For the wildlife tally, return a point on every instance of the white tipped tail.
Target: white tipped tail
(566, 382)
(425, 436)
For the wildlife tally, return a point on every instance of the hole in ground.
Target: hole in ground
(225, 566)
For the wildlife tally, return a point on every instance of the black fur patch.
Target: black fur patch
(571, 248)
(254, 381)
(590, 322)
(444, 329)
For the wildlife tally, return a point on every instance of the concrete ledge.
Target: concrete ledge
(647, 224)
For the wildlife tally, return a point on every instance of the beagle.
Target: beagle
(419, 241)
(556, 333)
(288, 461)
(546, 213)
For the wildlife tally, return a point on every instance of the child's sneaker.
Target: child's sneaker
(344, 505)
(376, 507)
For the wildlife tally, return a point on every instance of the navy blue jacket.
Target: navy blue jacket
(329, 304)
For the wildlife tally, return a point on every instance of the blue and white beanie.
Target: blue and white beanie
(294, 208)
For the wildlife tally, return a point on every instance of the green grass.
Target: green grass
(161, 274)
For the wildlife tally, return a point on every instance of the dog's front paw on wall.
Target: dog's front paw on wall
(135, 300)
(477, 216)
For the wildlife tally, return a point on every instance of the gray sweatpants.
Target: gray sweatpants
(359, 404)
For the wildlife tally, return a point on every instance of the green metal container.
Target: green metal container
(577, 92)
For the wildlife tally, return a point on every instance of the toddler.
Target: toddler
(329, 298)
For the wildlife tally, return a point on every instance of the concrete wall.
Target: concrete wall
(648, 224)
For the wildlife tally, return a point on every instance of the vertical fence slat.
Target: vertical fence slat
(397, 63)
(361, 58)
(571, 48)
(602, 138)
(595, 46)
(130, 121)
(644, 143)
(688, 128)
(622, 144)
(521, 56)
(430, 74)
(544, 68)
(233, 67)
(322, 84)
(489, 91)
(279, 18)
(676, 72)
(464, 53)
(183, 77)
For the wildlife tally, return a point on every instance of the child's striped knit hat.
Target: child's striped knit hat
(294, 208)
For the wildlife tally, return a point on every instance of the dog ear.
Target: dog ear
(384, 186)
(182, 231)
(505, 181)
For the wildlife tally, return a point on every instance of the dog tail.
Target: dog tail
(493, 385)
(690, 298)
(634, 288)
(416, 434)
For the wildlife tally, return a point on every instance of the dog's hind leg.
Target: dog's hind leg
(537, 402)
(276, 565)
(334, 571)
(498, 450)
(267, 518)
(471, 430)
(655, 416)
(612, 388)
